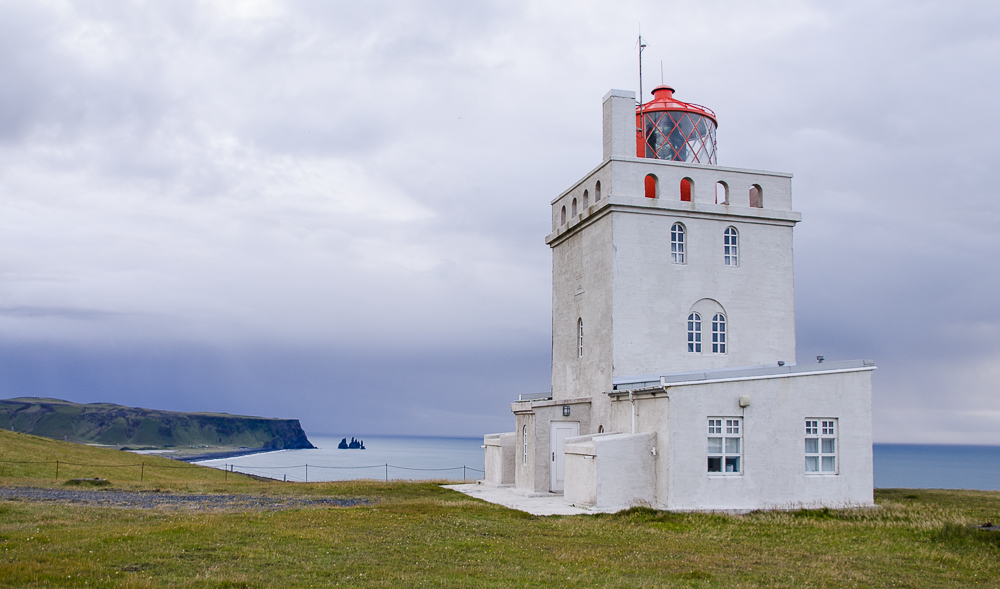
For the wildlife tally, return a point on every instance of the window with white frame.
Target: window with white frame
(579, 338)
(725, 445)
(821, 446)
(730, 246)
(677, 255)
(718, 333)
(694, 332)
(524, 454)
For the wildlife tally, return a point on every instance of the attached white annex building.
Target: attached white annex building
(674, 377)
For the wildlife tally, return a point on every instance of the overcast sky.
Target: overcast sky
(335, 211)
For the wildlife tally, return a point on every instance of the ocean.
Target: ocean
(914, 466)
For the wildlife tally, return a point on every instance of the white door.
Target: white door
(559, 431)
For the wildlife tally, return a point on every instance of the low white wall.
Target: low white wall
(499, 459)
(611, 470)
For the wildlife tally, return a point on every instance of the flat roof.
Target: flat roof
(642, 381)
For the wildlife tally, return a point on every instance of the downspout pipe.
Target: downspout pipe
(631, 399)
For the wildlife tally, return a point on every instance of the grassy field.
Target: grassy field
(420, 535)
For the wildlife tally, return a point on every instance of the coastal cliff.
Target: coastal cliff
(110, 424)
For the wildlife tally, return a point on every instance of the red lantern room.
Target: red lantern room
(668, 129)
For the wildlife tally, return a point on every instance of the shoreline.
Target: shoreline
(230, 454)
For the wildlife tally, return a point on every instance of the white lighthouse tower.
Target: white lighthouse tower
(674, 375)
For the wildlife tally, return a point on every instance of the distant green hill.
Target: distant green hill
(107, 423)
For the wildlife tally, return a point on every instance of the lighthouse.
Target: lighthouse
(675, 381)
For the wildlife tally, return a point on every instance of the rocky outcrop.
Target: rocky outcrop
(107, 423)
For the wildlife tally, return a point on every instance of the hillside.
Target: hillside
(110, 424)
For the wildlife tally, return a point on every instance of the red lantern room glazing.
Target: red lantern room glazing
(668, 129)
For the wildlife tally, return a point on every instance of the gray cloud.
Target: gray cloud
(301, 202)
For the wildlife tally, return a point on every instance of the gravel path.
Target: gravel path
(152, 500)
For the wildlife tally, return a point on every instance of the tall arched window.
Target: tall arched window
(524, 453)
(718, 333)
(721, 193)
(652, 185)
(694, 333)
(757, 196)
(687, 187)
(677, 255)
(731, 246)
(597, 191)
(562, 216)
(574, 209)
(586, 200)
(579, 338)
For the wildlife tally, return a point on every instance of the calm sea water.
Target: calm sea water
(913, 466)
(407, 458)
(919, 466)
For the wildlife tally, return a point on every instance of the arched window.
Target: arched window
(597, 192)
(687, 187)
(574, 209)
(586, 200)
(524, 454)
(718, 333)
(731, 246)
(562, 216)
(600, 429)
(694, 333)
(677, 255)
(579, 338)
(757, 196)
(721, 193)
(652, 185)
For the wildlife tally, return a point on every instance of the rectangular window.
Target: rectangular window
(725, 445)
(821, 446)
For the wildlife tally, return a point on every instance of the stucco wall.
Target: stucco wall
(773, 442)
(499, 459)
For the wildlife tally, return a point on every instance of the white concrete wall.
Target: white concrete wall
(619, 123)
(499, 459)
(773, 442)
(615, 471)
(538, 416)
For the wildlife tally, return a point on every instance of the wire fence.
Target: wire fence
(249, 470)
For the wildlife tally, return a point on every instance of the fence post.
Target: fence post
(142, 472)
(387, 472)
(463, 472)
(227, 472)
(57, 469)
(307, 472)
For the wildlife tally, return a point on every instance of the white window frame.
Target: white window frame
(524, 457)
(579, 338)
(731, 241)
(821, 446)
(678, 255)
(694, 333)
(725, 446)
(719, 339)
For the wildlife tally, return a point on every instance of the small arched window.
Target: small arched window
(600, 429)
(718, 333)
(721, 193)
(652, 185)
(597, 192)
(579, 338)
(524, 453)
(573, 206)
(677, 253)
(730, 246)
(694, 333)
(562, 216)
(586, 200)
(757, 196)
(687, 187)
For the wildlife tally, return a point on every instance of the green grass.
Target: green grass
(420, 535)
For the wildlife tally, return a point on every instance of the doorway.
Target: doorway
(558, 432)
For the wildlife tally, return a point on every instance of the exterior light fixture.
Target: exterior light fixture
(820, 359)
(565, 410)
(781, 362)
